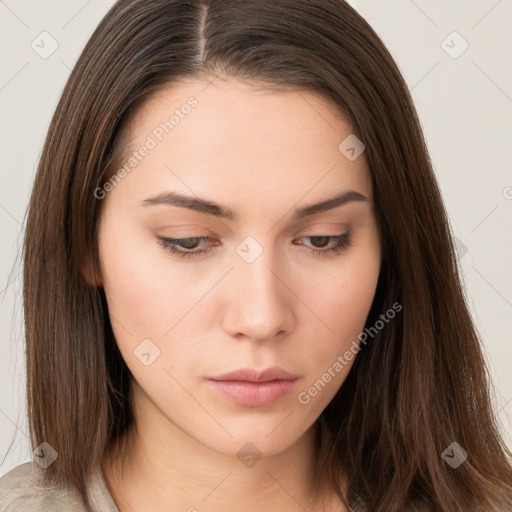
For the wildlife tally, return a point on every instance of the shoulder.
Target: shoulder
(22, 488)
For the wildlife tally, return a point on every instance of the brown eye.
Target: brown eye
(340, 242)
(176, 245)
(320, 241)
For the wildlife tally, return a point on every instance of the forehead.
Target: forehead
(241, 140)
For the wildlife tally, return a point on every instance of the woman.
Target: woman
(240, 286)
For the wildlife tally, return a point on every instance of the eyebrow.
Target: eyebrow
(197, 204)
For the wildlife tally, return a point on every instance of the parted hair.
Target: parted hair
(420, 384)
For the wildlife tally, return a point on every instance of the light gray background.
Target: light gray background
(464, 103)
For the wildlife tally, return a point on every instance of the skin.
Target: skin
(262, 154)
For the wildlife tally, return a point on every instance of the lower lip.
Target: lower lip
(253, 394)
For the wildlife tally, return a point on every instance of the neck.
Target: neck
(165, 469)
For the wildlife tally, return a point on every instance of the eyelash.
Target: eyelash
(342, 242)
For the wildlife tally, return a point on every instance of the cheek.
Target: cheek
(342, 300)
(146, 298)
(135, 295)
(343, 297)
(142, 288)
(142, 296)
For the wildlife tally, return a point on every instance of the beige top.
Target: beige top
(20, 490)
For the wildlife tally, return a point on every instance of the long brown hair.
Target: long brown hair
(420, 385)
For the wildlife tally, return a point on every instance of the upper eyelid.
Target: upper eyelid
(338, 227)
(209, 237)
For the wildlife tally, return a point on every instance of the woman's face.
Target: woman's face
(263, 281)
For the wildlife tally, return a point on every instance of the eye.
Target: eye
(186, 247)
(339, 243)
(173, 244)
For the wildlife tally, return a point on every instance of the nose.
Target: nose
(259, 302)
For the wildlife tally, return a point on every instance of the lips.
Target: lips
(254, 388)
